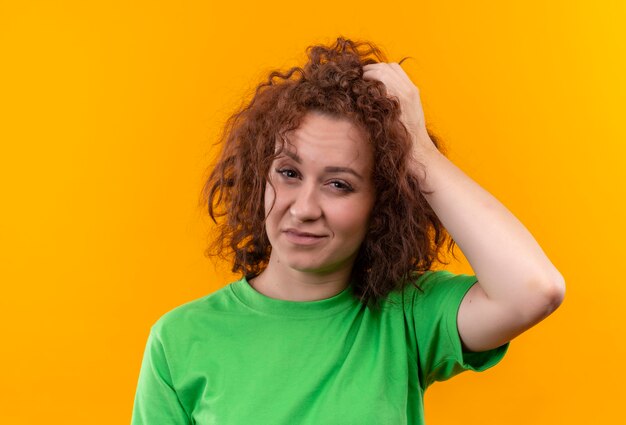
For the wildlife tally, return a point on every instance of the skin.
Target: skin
(322, 185)
(517, 285)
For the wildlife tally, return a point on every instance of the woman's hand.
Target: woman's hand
(399, 85)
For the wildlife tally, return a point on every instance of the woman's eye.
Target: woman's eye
(337, 184)
(287, 172)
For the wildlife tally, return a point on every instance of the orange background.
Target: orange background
(109, 114)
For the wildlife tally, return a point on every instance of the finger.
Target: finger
(380, 67)
(373, 72)
(394, 79)
(384, 77)
(373, 65)
(381, 70)
(385, 73)
(402, 74)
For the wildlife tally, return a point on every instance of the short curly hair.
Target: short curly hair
(404, 237)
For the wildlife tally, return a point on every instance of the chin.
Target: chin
(317, 267)
(306, 267)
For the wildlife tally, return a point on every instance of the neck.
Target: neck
(280, 282)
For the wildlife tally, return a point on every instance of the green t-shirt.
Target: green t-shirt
(238, 357)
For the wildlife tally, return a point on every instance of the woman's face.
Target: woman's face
(323, 194)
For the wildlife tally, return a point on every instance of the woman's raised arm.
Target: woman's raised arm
(517, 286)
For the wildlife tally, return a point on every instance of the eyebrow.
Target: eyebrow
(329, 169)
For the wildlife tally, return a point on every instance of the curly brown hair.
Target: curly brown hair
(404, 237)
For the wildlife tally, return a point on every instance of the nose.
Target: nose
(305, 205)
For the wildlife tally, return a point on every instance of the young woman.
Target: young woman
(336, 202)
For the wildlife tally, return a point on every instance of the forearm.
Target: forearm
(510, 265)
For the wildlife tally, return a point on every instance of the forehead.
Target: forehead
(322, 138)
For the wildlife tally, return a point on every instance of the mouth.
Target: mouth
(302, 238)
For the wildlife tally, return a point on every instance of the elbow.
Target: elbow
(543, 297)
(551, 293)
(556, 288)
(555, 293)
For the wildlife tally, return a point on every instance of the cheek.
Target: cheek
(353, 219)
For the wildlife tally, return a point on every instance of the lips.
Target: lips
(298, 237)
(299, 233)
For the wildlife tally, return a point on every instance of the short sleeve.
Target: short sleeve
(435, 309)
(156, 401)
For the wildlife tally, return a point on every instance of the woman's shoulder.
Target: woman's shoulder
(433, 284)
(437, 279)
(192, 313)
